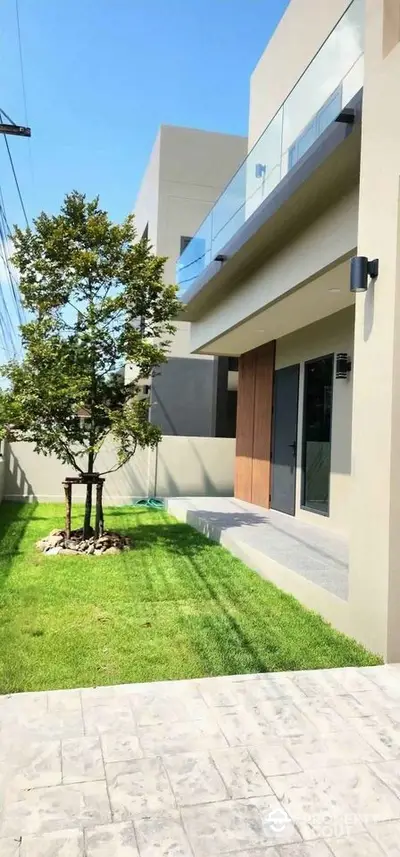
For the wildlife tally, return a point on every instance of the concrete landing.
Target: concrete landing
(267, 540)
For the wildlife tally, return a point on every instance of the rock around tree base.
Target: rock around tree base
(106, 545)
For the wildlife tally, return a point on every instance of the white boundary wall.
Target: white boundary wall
(196, 466)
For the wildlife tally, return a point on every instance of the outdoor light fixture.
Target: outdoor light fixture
(347, 116)
(360, 269)
(220, 258)
(343, 365)
(260, 170)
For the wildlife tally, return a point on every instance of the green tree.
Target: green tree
(96, 301)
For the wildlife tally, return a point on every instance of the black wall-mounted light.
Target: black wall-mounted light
(343, 365)
(360, 269)
(220, 258)
(346, 116)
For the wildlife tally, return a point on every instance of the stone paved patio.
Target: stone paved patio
(302, 764)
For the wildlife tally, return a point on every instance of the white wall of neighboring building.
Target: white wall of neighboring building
(187, 171)
(195, 167)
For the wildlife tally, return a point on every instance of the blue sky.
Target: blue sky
(101, 75)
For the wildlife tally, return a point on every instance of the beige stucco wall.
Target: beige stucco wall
(2, 477)
(179, 466)
(331, 237)
(329, 336)
(375, 532)
(300, 33)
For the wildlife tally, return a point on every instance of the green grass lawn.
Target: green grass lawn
(177, 606)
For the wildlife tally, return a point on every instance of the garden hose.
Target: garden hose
(151, 503)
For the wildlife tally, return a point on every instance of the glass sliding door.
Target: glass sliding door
(317, 425)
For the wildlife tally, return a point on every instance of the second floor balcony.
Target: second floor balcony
(328, 84)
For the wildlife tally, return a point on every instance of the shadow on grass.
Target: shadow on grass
(14, 519)
(220, 640)
(260, 637)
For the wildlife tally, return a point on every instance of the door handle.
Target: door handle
(293, 446)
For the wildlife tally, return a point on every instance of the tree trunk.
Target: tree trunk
(68, 504)
(99, 525)
(88, 502)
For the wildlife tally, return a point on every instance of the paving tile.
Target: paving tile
(34, 726)
(120, 747)
(316, 805)
(116, 716)
(63, 843)
(223, 691)
(387, 835)
(375, 702)
(389, 773)
(10, 847)
(322, 714)
(350, 680)
(306, 849)
(64, 700)
(392, 714)
(361, 845)
(331, 749)
(82, 760)
(240, 773)
(56, 808)
(271, 851)
(103, 694)
(381, 734)
(284, 687)
(318, 683)
(111, 840)
(285, 717)
(386, 677)
(365, 794)
(33, 765)
(163, 836)
(350, 705)
(194, 778)
(273, 759)
(220, 828)
(23, 706)
(168, 706)
(138, 788)
(242, 726)
(181, 737)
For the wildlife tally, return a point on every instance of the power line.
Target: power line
(16, 181)
(22, 67)
(21, 61)
(11, 279)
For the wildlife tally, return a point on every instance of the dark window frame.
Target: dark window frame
(185, 241)
(303, 504)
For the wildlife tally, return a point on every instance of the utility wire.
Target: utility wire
(16, 181)
(21, 61)
(11, 279)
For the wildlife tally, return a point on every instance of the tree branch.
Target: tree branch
(121, 464)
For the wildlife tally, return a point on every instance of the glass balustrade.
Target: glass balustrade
(332, 78)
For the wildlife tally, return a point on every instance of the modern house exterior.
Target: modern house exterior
(191, 395)
(318, 420)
